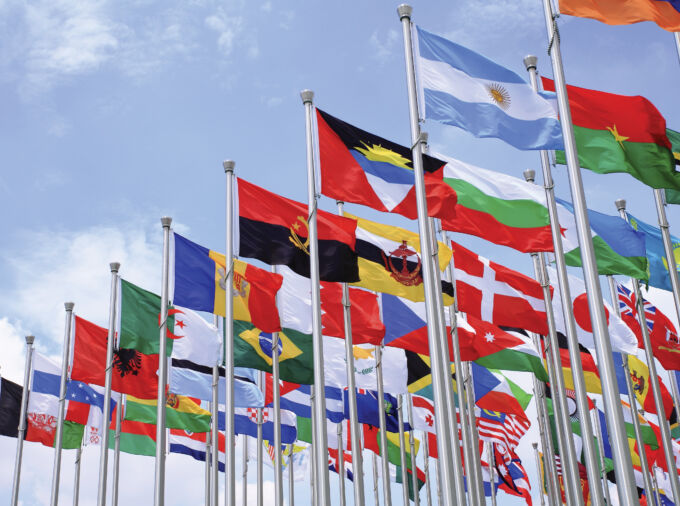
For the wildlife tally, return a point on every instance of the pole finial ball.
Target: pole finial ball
(404, 11)
(530, 175)
(620, 204)
(307, 96)
(530, 61)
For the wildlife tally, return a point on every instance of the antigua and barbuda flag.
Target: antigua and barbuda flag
(362, 168)
(462, 88)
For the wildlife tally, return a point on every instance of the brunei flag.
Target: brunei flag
(200, 285)
(390, 261)
(274, 229)
(362, 168)
(253, 348)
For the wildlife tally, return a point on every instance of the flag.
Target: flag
(133, 372)
(423, 414)
(362, 168)
(617, 133)
(298, 400)
(334, 463)
(372, 443)
(621, 337)
(493, 392)
(199, 284)
(501, 428)
(639, 375)
(514, 479)
(659, 275)
(368, 409)
(274, 229)
(136, 438)
(196, 341)
(390, 261)
(496, 294)
(464, 89)
(406, 325)
(194, 444)
(590, 373)
(304, 432)
(85, 406)
(673, 196)
(253, 348)
(398, 475)
(245, 422)
(181, 412)
(10, 407)
(665, 13)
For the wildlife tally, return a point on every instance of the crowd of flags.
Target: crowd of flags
(376, 326)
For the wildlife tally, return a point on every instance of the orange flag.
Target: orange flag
(664, 13)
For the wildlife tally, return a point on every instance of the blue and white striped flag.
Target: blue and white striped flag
(299, 402)
(464, 89)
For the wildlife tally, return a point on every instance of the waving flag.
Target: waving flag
(334, 463)
(362, 168)
(501, 428)
(194, 445)
(297, 399)
(136, 438)
(514, 479)
(245, 422)
(665, 13)
(368, 410)
(423, 414)
(639, 376)
(10, 407)
(181, 412)
(464, 89)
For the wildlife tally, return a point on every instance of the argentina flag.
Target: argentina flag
(462, 88)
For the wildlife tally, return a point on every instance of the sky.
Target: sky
(117, 113)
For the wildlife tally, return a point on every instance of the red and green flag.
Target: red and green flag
(181, 412)
(620, 133)
(136, 438)
(673, 196)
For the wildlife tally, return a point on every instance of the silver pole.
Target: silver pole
(291, 477)
(244, 483)
(229, 457)
(438, 472)
(426, 468)
(477, 480)
(657, 494)
(215, 405)
(376, 496)
(402, 449)
(677, 42)
(161, 433)
(314, 477)
(260, 462)
(58, 442)
(674, 391)
(612, 402)
(438, 375)
(668, 246)
(76, 479)
(106, 414)
(603, 469)
(357, 457)
(208, 461)
(414, 473)
(632, 400)
(278, 464)
(387, 491)
(651, 364)
(341, 466)
(492, 479)
(540, 475)
(321, 443)
(22, 421)
(116, 455)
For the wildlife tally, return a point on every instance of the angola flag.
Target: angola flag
(665, 13)
(274, 229)
(618, 133)
(362, 168)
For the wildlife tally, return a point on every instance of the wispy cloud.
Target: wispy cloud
(384, 46)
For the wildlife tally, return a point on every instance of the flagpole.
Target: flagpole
(426, 466)
(229, 457)
(341, 465)
(412, 444)
(278, 466)
(207, 470)
(116, 454)
(668, 247)
(357, 457)
(402, 449)
(677, 42)
(260, 462)
(492, 479)
(541, 475)
(321, 446)
(215, 405)
(291, 476)
(76, 473)
(477, 478)
(313, 475)
(603, 469)
(106, 414)
(651, 364)
(656, 492)
(244, 482)
(56, 469)
(439, 376)
(387, 491)
(22, 421)
(612, 402)
(674, 390)
(376, 497)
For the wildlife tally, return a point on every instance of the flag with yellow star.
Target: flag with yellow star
(619, 133)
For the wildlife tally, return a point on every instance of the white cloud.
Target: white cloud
(266, 7)
(384, 47)
(228, 28)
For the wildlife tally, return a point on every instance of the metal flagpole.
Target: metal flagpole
(244, 482)
(668, 246)
(603, 469)
(208, 460)
(492, 479)
(657, 494)
(291, 476)
(106, 412)
(229, 457)
(477, 478)
(414, 474)
(402, 448)
(677, 42)
(376, 496)
(653, 377)
(612, 402)
(215, 405)
(76, 479)
(387, 491)
(674, 390)
(313, 475)
(278, 465)
(116, 454)
(321, 442)
(22, 421)
(161, 433)
(260, 462)
(56, 469)
(632, 399)
(357, 457)
(439, 376)
(426, 466)
(341, 465)
(540, 475)
(438, 472)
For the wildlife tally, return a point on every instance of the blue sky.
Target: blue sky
(115, 113)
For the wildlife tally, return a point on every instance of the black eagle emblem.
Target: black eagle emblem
(127, 361)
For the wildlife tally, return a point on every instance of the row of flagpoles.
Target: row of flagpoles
(451, 470)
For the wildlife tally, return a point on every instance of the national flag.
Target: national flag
(618, 133)
(673, 196)
(133, 372)
(493, 392)
(196, 341)
(369, 406)
(665, 13)
(497, 294)
(297, 399)
(501, 428)
(10, 407)
(462, 88)
(304, 432)
(334, 463)
(390, 261)
(372, 442)
(406, 325)
(639, 375)
(591, 374)
(398, 475)
(245, 422)
(85, 406)
(253, 349)
(194, 444)
(196, 381)
(423, 414)
(181, 412)
(200, 278)
(362, 168)
(274, 229)
(136, 438)
(514, 479)
(659, 275)
(622, 338)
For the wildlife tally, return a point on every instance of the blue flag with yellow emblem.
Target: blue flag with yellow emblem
(656, 254)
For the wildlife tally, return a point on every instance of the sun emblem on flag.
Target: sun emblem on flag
(300, 225)
(499, 95)
(378, 153)
(403, 275)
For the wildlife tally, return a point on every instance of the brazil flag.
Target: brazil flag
(253, 348)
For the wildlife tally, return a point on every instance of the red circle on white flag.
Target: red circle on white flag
(582, 313)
